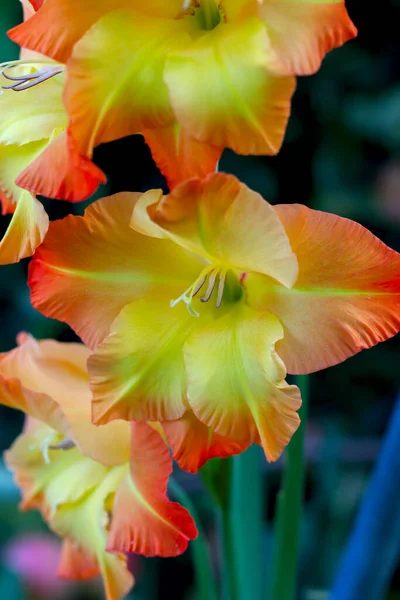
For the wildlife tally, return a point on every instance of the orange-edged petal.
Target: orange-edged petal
(57, 372)
(61, 172)
(137, 372)
(26, 230)
(104, 266)
(75, 563)
(193, 443)
(47, 367)
(55, 28)
(236, 380)
(29, 8)
(83, 523)
(222, 94)
(7, 205)
(59, 24)
(144, 519)
(222, 220)
(346, 298)
(38, 405)
(115, 81)
(179, 156)
(301, 32)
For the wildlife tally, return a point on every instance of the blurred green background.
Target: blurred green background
(342, 155)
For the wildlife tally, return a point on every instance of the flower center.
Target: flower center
(19, 83)
(208, 13)
(211, 278)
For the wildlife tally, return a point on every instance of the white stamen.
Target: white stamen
(198, 287)
(220, 292)
(44, 447)
(210, 288)
(214, 274)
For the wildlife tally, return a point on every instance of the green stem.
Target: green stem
(289, 510)
(248, 500)
(229, 583)
(206, 587)
(236, 486)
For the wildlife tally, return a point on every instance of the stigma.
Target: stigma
(210, 278)
(20, 83)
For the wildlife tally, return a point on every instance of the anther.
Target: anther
(199, 285)
(65, 444)
(220, 291)
(24, 82)
(210, 288)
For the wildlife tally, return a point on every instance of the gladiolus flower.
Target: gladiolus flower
(37, 156)
(197, 310)
(203, 73)
(102, 489)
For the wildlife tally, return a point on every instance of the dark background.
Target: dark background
(342, 155)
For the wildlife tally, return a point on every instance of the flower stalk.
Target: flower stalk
(289, 510)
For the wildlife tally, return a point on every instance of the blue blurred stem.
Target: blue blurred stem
(373, 549)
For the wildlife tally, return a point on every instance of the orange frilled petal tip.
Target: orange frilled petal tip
(179, 156)
(144, 519)
(193, 443)
(61, 172)
(302, 32)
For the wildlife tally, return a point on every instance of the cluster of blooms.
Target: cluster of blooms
(192, 306)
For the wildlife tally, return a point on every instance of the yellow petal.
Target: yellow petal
(26, 230)
(115, 81)
(84, 523)
(222, 93)
(13, 160)
(223, 221)
(236, 380)
(138, 373)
